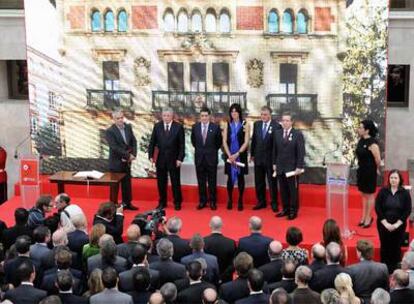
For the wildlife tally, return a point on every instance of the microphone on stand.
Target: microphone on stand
(330, 152)
(16, 154)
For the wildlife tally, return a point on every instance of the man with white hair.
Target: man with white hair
(168, 137)
(67, 211)
(407, 264)
(380, 296)
(122, 151)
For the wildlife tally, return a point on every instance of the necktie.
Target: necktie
(204, 134)
(167, 129)
(285, 135)
(264, 130)
(122, 130)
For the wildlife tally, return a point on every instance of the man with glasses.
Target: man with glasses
(67, 211)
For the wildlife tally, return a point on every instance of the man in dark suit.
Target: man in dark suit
(303, 294)
(140, 281)
(255, 244)
(272, 271)
(122, 151)
(261, 150)
(21, 216)
(255, 281)
(401, 294)
(318, 257)
(181, 246)
(125, 249)
(168, 137)
(288, 277)
(65, 282)
(207, 139)
(288, 157)
(222, 247)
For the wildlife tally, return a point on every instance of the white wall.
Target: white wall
(12, 33)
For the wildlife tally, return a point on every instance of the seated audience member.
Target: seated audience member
(193, 293)
(380, 296)
(133, 233)
(44, 204)
(51, 300)
(238, 288)
(110, 294)
(255, 244)
(288, 277)
(156, 298)
(78, 237)
(112, 218)
(293, 251)
(332, 233)
(9, 235)
(399, 285)
(92, 248)
(197, 245)
(325, 277)
(367, 274)
(107, 256)
(407, 264)
(65, 282)
(343, 284)
(330, 296)
(140, 281)
(181, 246)
(95, 284)
(41, 236)
(67, 212)
(25, 293)
(318, 257)
(145, 240)
(169, 293)
(139, 260)
(222, 247)
(303, 294)
(169, 270)
(255, 282)
(272, 271)
(279, 296)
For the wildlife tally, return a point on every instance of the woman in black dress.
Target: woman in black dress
(369, 160)
(235, 143)
(393, 206)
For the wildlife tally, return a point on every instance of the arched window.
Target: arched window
(302, 22)
(169, 21)
(287, 25)
(273, 22)
(96, 21)
(122, 21)
(182, 22)
(211, 21)
(109, 21)
(196, 22)
(225, 22)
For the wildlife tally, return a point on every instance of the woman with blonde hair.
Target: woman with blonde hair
(343, 284)
(92, 247)
(95, 284)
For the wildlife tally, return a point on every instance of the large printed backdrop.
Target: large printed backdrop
(322, 60)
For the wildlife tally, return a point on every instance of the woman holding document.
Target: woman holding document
(235, 143)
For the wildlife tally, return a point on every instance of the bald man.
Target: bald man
(318, 257)
(400, 280)
(125, 249)
(272, 271)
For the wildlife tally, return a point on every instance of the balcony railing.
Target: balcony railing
(109, 99)
(191, 102)
(303, 106)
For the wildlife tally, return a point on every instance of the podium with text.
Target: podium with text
(337, 189)
(29, 180)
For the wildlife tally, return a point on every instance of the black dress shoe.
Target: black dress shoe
(292, 216)
(130, 207)
(201, 206)
(161, 206)
(213, 206)
(282, 213)
(259, 206)
(275, 209)
(177, 207)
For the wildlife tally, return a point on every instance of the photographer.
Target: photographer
(112, 218)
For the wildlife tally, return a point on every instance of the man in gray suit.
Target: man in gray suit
(367, 275)
(41, 236)
(110, 294)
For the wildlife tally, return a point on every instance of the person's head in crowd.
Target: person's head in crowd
(294, 236)
(79, 222)
(255, 224)
(279, 296)
(95, 284)
(265, 113)
(145, 240)
(21, 216)
(167, 115)
(407, 262)
(330, 296)
(62, 200)
(64, 280)
(12, 253)
(118, 118)
(174, 225)
(41, 234)
(22, 245)
(107, 210)
(289, 269)
(60, 238)
(205, 115)
(287, 120)
(197, 243)
(44, 203)
(53, 299)
(108, 251)
(343, 284)
(97, 231)
(331, 232)
(194, 271)
(165, 249)
(399, 279)
(318, 252)
(275, 250)
(141, 279)
(133, 233)
(216, 224)
(365, 250)
(109, 277)
(333, 253)
(156, 298)
(235, 112)
(138, 254)
(243, 262)
(395, 179)
(26, 272)
(255, 280)
(169, 292)
(63, 258)
(380, 296)
(104, 238)
(210, 296)
(303, 275)
(367, 128)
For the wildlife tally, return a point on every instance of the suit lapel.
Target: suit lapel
(118, 133)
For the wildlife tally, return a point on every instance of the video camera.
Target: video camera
(149, 221)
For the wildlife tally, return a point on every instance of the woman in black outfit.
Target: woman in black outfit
(369, 160)
(235, 143)
(393, 206)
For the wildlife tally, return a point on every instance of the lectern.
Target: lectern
(29, 180)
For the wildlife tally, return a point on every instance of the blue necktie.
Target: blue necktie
(264, 130)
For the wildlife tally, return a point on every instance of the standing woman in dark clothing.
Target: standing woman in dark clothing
(393, 206)
(369, 160)
(235, 143)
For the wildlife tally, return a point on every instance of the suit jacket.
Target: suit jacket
(114, 227)
(49, 280)
(272, 271)
(171, 146)
(324, 278)
(194, 293)
(256, 245)
(125, 249)
(212, 272)
(262, 148)
(206, 153)
(224, 249)
(48, 260)
(25, 294)
(11, 234)
(95, 261)
(75, 272)
(181, 247)
(234, 290)
(37, 251)
(288, 285)
(316, 265)
(367, 276)
(69, 298)
(126, 279)
(169, 270)
(402, 296)
(76, 240)
(288, 154)
(305, 296)
(118, 148)
(11, 266)
(140, 297)
(259, 298)
(111, 296)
